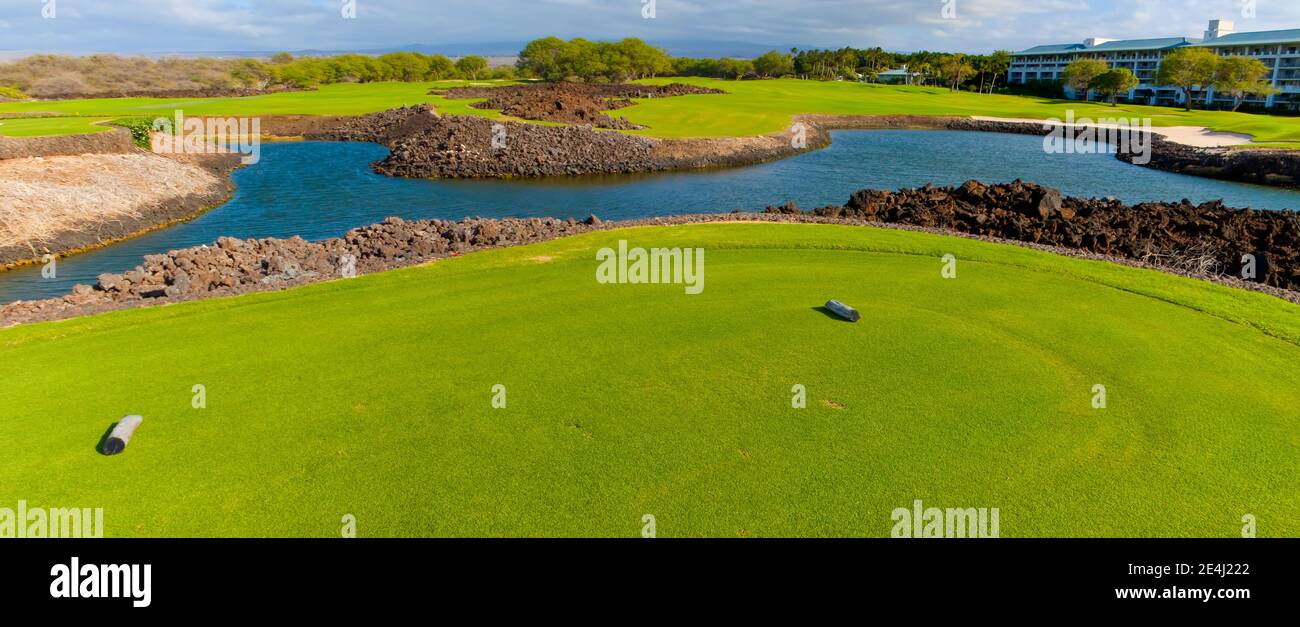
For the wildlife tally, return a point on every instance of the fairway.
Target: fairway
(748, 107)
(372, 397)
(44, 126)
(70, 116)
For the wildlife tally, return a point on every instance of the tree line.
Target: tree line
(549, 58)
(956, 71)
(59, 75)
(554, 59)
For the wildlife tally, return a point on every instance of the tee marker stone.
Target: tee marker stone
(121, 434)
(843, 311)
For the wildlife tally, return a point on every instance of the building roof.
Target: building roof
(897, 72)
(1119, 45)
(1262, 37)
(1053, 48)
(1143, 44)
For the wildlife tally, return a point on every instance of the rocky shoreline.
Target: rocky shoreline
(1200, 241)
(1204, 240)
(1279, 168)
(424, 144)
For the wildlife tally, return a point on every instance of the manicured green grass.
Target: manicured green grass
(749, 107)
(39, 127)
(341, 99)
(372, 397)
(756, 107)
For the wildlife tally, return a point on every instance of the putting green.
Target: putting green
(372, 397)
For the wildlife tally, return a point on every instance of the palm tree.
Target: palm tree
(923, 71)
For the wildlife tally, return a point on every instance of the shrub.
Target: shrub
(140, 129)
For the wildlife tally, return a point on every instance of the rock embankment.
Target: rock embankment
(1205, 241)
(233, 266)
(426, 145)
(55, 205)
(1263, 167)
(570, 103)
(116, 141)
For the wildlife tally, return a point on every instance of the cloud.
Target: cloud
(979, 25)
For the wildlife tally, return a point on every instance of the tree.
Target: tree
(405, 66)
(955, 69)
(1241, 76)
(997, 64)
(1188, 68)
(923, 71)
(582, 60)
(735, 68)
(554, 59)
(282, 58)
(1113, 83)
(641, 60)
(873, 62)
(819, 64)
(774, 65)
(440, 67)
(1080, 73)
(302, 73)
(544, 58)
(252, 74)
(471, 66)
(357, 68)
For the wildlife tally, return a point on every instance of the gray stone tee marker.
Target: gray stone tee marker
(843, 311)
(121, 434)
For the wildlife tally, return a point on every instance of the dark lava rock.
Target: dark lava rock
(570, 103)
(1203, 239)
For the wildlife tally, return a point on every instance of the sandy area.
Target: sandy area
(1197, 136)
(44, 197)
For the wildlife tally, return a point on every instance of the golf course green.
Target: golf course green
(748, 108)
(373, 397)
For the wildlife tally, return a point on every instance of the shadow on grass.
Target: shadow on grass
(103, 441)
(830, 314)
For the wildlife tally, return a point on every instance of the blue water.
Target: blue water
(321, 189)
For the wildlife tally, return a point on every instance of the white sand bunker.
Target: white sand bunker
(1198, 136)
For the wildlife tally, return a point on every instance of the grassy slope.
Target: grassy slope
(371, 397)
(750, 107)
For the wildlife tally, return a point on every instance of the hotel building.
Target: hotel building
(1279, 50)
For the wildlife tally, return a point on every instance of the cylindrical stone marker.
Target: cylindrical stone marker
(843, 311)
(121, 434)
